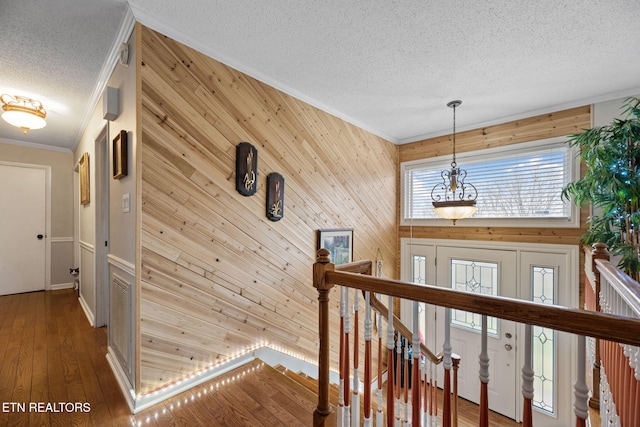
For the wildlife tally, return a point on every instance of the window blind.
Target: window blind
(519, 183)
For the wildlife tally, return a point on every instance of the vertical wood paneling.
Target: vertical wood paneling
(216, 275)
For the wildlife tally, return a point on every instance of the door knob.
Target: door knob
(39, 236)
(508, 347)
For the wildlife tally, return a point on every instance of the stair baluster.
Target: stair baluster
(340, 413)
(581, 391)
(380, 410)
(527, 378)
(415, 379)
(367, 360)
(484, 377)
(355, 400)
(390, 377)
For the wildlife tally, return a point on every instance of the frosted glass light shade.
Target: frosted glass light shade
(455, 210)
(22, 112)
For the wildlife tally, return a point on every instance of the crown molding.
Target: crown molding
(124, 33)
(178, 35)
(35, 145)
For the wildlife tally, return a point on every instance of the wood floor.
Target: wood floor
(53, 372)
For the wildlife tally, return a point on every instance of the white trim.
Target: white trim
(122, 264)
(59, 286)
(87, 310)
(86, 245)
(110, 63)
(101, 229)
(62, 240)
(122, 379)
(531, 113)
(202, 46)
(268, 355)
(35, 145)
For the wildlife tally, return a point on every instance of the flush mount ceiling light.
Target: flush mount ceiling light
(23, 112)
(453, 198)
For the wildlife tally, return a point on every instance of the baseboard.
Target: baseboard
(121, 378)
(270, 356)
(142, 402)
(87, 311)
(59, 286)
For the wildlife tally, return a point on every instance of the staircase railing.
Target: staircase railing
(616, 366)
(404, 338)
(615, 328)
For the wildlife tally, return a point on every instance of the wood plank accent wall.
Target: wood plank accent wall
(551, 125)
(218, 277)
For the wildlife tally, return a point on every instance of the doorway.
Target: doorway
(23, 227)
(538, 272)
(488, 272)
(102, 228)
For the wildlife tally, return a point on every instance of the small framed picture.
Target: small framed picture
(339, 243)
(83, 166)
(120, 155)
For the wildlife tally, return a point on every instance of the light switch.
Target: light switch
(125, 203)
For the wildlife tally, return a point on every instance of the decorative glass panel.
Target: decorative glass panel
(479, 278)
(418, 275)
(419, 269)
(543, 284)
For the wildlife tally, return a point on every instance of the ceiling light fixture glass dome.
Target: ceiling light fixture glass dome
(23, 112)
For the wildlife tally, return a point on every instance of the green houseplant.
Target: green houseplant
(611, 184)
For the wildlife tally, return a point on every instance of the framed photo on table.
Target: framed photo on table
(339, 243)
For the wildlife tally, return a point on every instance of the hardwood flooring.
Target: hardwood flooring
(53, 372)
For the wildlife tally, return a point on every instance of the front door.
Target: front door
(489, 272)
(23, 229)
(535, 272)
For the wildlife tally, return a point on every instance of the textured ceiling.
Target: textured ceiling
(387, 66)
(54, 51)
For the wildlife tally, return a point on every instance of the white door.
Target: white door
(23, 229)
(489, 272)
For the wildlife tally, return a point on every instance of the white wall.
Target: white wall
(122, 230)
(120, 253)
(605, 112)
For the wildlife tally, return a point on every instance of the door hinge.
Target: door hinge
(106, 244)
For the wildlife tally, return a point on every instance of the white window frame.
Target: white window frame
(573, 221)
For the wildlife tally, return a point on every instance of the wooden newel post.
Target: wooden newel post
(599, 251)
(322, 415)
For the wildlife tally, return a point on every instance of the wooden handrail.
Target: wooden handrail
(378, 306)
(356, 267)
(365, 267)
(581, 322)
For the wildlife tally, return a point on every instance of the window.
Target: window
(521, 183)
(544, 339)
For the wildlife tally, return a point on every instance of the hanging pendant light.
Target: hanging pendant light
(23, 112)
(453, 198)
